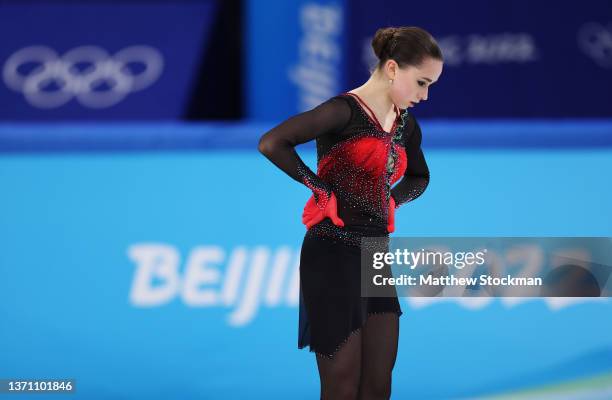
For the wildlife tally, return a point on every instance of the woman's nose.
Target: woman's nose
(424, 94)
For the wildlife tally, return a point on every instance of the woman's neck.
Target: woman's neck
(375, 92)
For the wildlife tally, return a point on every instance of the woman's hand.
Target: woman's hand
(391, 219)
(312, 214)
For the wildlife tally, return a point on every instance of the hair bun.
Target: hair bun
(381, 41)
(406, 45)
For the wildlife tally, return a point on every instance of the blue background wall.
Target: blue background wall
(85, 77)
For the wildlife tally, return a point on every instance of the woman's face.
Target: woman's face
(411, 84)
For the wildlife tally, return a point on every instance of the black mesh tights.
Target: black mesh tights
(361, 369)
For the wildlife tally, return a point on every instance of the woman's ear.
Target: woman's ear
(391, 68)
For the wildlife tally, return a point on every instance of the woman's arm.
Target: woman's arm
(416, 177)
(278, 143)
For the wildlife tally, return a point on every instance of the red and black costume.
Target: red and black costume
(358, 162)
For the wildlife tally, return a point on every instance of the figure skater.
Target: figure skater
(366, 141)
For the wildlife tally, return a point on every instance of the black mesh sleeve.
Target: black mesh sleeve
(416, 177)
(278, 144)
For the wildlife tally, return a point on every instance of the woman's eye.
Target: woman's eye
(422, 83)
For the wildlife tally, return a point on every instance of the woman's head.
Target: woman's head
(410, 59)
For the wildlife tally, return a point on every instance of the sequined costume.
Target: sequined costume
(359, 162)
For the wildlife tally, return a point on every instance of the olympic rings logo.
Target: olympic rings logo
(596, 41)
(87, 73)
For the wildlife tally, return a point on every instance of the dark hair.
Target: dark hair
(407, 45)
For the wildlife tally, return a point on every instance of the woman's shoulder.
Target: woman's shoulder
(340, 105)
(344, 98)
(338, 101)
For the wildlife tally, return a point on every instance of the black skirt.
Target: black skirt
(331, 305)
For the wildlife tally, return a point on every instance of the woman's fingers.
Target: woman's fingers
(314, 220)
(336, 220)
(309, 209)
(312, 214)
(391, 228)
(332, 211)
(307, 214)
(391, 219)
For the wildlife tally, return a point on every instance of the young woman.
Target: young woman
(366, 141)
